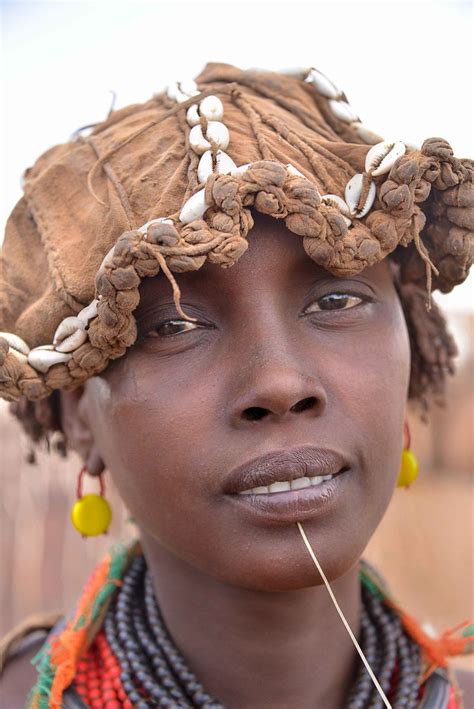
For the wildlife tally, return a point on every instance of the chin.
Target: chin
(288, 571)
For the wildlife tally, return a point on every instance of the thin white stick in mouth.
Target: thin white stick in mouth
(342, 617)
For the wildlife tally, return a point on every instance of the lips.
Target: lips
(284, 465)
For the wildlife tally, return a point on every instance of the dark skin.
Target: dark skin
(170, 420)
(242, 598)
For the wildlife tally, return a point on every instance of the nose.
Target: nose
(277, 388)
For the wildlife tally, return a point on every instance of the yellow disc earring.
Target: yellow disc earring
(91, 513)
(409, 467)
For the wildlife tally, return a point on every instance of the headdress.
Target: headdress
(171, 183)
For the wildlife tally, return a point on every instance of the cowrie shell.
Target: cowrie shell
(216, 131)
(322, 84)
(194, 208)
(211, 108)
(365, 134)
(71, 343)
(353, 194)
(333, 200)
(70, 334)
(294, 171)
(298, 72)
(172, 91)
(181, 98)
(343, 111)
(188, 86)
(182, 90)
(197, 141)
(240, 170)
(192, 115)
(219, 133)
(382, 156)
(15, 342)
(87, 313)
(205, 166)
(66, 327)
(224, 164)
(42, 358)
(161, 220)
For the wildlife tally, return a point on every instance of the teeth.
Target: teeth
(285, 486)
(300, 483)
(279, 487)
(259, 490)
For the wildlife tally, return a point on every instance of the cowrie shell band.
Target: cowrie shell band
(342, 110)
(379, 159)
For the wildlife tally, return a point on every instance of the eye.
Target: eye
(335, 301)
(169, 328)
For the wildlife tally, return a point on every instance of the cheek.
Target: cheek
(373, 398)
(156, 433)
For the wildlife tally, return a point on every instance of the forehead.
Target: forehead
(274, 261)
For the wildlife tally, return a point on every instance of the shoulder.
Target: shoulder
(465, 680)
(17, 649)
(18, 675)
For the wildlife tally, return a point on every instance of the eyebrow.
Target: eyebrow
(200, 280)
(158, 291)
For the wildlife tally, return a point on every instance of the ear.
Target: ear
(78, 432)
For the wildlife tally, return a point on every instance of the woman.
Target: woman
(242, 411)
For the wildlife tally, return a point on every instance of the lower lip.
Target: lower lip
(293, 505)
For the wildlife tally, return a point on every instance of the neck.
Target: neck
(259, 649)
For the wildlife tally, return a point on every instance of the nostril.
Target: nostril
(254, 413)
(304, 404)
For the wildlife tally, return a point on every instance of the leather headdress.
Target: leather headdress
(165, 185)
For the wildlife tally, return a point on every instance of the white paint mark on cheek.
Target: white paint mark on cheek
(101, 387)
(112, 396)
(99, 395)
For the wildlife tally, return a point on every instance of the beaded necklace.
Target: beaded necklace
(116, 651)
(153, 673)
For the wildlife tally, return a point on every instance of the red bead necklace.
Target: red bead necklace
(97, 679)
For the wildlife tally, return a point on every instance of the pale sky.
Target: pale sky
(406, 67)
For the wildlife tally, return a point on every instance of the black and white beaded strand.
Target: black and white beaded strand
(149, 659)
(154, 674)
(407, 652)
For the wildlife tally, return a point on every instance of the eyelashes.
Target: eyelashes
(330, 303)
(335, 302)
(170, 328)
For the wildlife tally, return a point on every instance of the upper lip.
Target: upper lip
(280, 465)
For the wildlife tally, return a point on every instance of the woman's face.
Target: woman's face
(283, 356)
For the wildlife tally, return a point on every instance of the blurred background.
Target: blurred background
(407, 67)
